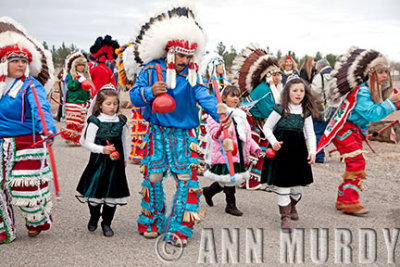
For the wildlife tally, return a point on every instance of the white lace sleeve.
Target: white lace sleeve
(309, 132)
(91, 132)
(273, 119)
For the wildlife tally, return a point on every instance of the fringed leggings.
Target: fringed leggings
(170, 149)
(348, 141)
(24, 183)
(75, 116)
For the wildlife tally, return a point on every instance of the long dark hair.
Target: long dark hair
(101, 97)
(308, 102)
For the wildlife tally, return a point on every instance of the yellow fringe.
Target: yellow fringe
(194, 147)
(146, 212)
(195, 190)
(193, 166)
(189, 216)
(145, 192)
(142, 145)
(142, 168)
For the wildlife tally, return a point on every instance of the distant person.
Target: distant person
(77, 96)
(319, 88)
(103, 49)
(307, 70)
(286, 129)
(104, 183)
(288, 67)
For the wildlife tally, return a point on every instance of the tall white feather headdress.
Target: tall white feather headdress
(41, 64)
(173, 30)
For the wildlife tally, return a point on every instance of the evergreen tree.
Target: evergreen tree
(61, 53)
(293, 55)
(331, 59)
(279, 54)
(317, 56)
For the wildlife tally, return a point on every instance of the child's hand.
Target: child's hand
(311, 159)
(277, 145)
(108, 149)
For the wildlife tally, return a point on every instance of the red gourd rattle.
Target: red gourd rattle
(113, 155)
(163, 103)
(270, 153)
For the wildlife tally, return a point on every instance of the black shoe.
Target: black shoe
(231, 201)
(211, 191)
(107, 231)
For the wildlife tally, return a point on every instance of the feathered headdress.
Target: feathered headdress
(125, 54)
(104, 48)
(174, 30)
(16, 43)
(209, 65)
(72, 60)
(252, 66)
(353, 69)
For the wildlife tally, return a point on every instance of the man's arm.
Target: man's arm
(207, 102)
(141, 93)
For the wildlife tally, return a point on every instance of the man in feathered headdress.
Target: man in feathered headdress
(25, 66)
(257, 76)
(359, 81)
(172, 39)
(103, 49)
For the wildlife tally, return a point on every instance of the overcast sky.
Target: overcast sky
(302, 26)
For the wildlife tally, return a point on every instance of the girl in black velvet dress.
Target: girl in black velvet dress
(288, 129)
(103, 183)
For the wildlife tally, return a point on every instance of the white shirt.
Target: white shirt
(309, 134)
(91, 132)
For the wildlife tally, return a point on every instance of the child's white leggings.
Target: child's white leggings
(284, 194)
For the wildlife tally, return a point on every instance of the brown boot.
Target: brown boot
(285, 217)
(293, 212)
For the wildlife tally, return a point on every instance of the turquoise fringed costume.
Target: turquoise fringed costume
(164, 53)
(171, 149)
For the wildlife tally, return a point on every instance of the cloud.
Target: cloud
(305, 26)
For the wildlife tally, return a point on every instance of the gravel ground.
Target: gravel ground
(69, 243)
